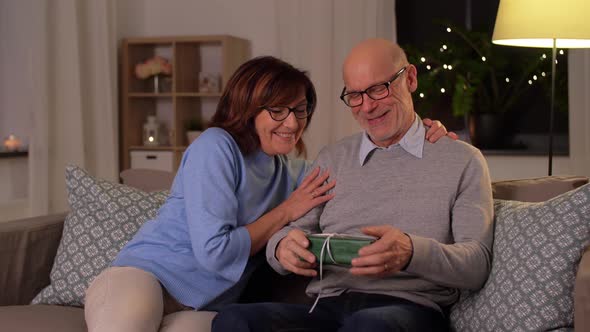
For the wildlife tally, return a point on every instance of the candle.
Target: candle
(12, 143)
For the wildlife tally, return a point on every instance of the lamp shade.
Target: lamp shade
(535, 23)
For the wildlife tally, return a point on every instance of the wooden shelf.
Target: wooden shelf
(199, 94)
(150, 95)
(13, 154)
(189, 56)
(152, 148)
(177, 94)
(158, 148)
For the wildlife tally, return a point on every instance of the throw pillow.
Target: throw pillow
(537, 248)
(104, 217)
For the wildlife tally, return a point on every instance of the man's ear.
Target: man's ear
(412, 78)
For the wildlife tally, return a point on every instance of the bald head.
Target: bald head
(378, 76)
(373, 55)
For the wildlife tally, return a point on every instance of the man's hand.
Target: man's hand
(386, 256)
(437, 130)
(293, 255)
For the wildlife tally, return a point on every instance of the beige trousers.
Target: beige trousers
(130, 299)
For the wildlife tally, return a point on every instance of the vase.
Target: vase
(156, 81)
(161, 83)
(487, 130)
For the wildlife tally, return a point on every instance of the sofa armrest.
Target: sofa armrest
(582, 294)
(27, 250)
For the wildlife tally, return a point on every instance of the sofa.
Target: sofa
(28, 248)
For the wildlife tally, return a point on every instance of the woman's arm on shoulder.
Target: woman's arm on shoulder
(436, 130)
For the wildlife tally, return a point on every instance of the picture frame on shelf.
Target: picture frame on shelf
(209, 82)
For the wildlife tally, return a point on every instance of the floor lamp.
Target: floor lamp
(547, 24)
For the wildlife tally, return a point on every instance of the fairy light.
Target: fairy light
(428, 67)
(530, 82)
(441, 49)
(423, 59)
(543, 74)
(561, 52)
(449, 30)
(543, 56)
(421, 95)
(555, 61)
(442, 90)
(507, 80)
(444, 46)
(445, 66)
(483, 58)
(449, 67)
(535, 77)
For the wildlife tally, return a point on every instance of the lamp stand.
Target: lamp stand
(552, 110)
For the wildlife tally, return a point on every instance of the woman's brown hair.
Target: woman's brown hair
(262, 81)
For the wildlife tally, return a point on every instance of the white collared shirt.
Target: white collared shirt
(412, 142)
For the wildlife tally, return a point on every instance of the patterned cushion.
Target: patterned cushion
(537, 248)
(103, 217)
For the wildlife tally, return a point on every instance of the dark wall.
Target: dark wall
(416, 20)
(418, 23)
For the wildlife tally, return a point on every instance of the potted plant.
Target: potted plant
(194, 128)
(479, 81)
(155, 67)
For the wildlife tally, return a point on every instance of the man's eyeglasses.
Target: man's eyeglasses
(280, 113)
(375, 92)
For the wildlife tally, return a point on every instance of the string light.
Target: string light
(449, 30)
(428, 67)
(507, 80)
(535, 77)
(483, 58)
(423, 59)
(421, 95)
(442, 90)
(444, 46)
(450, 67)
(543, 56)
(555, 61)
(530, 82)
(445, 66)
(561, 52)
(543, 74)
(441, 49)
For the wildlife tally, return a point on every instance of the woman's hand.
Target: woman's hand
(311, 193)
(437, 130)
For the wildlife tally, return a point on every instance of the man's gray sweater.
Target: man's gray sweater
(443, 201)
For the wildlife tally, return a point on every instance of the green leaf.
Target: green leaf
(462, 103)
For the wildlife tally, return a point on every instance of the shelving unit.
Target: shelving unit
(178, 100)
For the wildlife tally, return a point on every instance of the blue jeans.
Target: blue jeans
(347, 312)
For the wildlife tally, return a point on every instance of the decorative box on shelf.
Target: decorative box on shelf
(161, 160)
